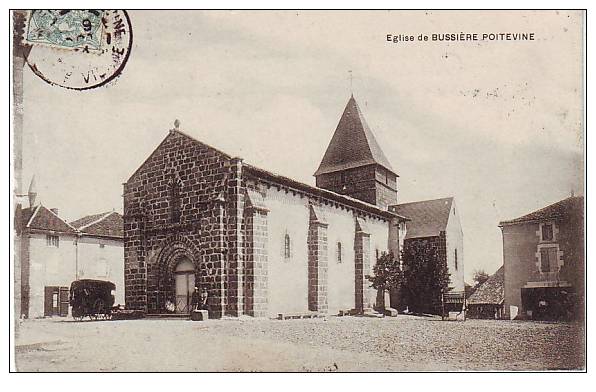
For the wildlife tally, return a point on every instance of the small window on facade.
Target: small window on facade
(547, 232)
(53, 240)
(386, 177)
(175, 203)
(339, 252)
(287, 246)
(455, 259)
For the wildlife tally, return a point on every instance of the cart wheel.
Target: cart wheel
(99, 309)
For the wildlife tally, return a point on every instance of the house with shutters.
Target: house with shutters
(51, 253)
(543, 257)
(260, 243)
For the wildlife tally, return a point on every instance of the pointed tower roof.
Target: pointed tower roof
(353, 144)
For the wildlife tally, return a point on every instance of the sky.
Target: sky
(498, 125)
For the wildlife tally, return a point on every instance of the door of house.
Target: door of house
(56, 301)
(185, 284)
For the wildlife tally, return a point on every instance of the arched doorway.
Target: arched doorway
(184, 274)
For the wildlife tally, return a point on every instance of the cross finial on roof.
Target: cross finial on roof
(351, 83)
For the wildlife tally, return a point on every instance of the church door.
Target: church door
(185, 284)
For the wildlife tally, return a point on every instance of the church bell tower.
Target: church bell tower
(354, 164)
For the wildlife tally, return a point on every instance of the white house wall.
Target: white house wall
(455, 240)
(103, 263)
(49, 266)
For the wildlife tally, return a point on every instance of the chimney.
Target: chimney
(54, 210)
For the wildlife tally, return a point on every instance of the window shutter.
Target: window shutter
(64, 301)
(544, 262)
(47, 304)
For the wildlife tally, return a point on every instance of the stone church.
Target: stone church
(261, 244)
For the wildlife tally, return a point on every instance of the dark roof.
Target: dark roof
(41, 218)
(573, 205)
(490, 292)
(106, 224)
(86, 220)
(329, 195)
(353, 144)
(428, 218)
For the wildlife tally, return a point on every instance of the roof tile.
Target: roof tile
(490, 292)
(353, 144)
(428, 218)
(572, 205)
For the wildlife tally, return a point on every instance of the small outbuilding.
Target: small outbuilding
(487, 300)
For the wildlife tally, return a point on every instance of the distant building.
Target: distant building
(51, 254)
(437, 221)
(543, 254)
(486, 301)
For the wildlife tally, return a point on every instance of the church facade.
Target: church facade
(261, 244)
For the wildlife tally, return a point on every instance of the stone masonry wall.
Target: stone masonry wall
(157, 234)
(362, 256)
(255, 291)
(371, 184)
(317, 266)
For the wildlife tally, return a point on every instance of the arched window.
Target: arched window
(175, 202)
(455, 259)
(287, 246)
(339, 256)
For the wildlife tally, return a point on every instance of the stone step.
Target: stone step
(292, 316)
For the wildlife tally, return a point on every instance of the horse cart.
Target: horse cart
(92, 298)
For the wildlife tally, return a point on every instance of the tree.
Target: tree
(387, 273)
(425, 276)
(480, 277)
(387, 276)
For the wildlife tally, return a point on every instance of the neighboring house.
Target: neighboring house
(48, 251)
(437, 221)
(486, 301)
(543, 254)
(260, 243)
(100, 248)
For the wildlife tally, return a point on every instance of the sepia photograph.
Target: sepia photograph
(297, 191)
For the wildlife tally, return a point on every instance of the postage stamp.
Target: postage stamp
(68, 29)
(77, 49)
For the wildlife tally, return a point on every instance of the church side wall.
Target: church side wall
(341, 273)
(287, 283)
(288, 277)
